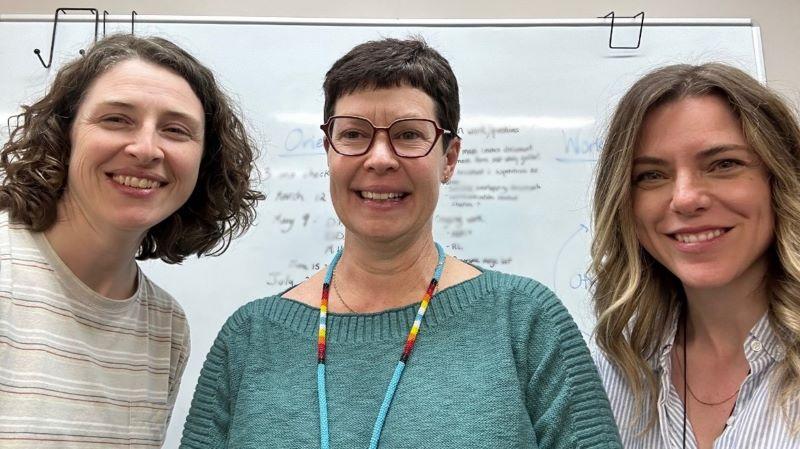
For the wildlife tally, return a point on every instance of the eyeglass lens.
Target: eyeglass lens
(410, 137)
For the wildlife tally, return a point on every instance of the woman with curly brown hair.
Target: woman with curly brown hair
(697, 292)
(134, 153)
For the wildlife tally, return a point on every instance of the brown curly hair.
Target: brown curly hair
(35, 157)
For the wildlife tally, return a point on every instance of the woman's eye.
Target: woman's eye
(726, 164)
(648, 176)
(408, 135)
(352, 134)
(177, 130)
(115, 119)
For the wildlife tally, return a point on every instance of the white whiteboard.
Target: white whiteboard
(535, 98)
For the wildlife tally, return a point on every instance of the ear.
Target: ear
(451, 159)
(325, 143)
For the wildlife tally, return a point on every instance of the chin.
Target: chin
(139, 222)
(706, 282)
(379, 234)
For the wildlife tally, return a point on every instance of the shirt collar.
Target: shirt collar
(762, 338)
(666, 344)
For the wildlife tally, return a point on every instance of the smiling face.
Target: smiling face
(136, 145)
(379, 195)
(701, 196)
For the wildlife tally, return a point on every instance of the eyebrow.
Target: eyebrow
(171, 113)
(705, 154)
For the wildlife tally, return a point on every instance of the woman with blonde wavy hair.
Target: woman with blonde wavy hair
(696, 258)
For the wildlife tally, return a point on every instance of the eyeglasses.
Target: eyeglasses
(408, 137)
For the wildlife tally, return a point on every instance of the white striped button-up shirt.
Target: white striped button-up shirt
(756, 422)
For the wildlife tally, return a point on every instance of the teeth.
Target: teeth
(380, 196)
(699, 237)
(137, 183)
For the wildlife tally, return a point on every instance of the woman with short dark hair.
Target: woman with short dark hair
(396, 344)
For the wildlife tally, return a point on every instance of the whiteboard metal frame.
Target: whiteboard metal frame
(761, 69)
(236, 20)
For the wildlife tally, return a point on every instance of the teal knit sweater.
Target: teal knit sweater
(498, 363)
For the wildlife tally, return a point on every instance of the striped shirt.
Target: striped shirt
(756, 423)
(78, 370)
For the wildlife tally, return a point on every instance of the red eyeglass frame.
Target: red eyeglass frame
(325, 127)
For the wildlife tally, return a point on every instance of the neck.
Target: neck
(720, 319)
(374, 277)
(101, 259)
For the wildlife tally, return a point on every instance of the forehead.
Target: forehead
(137, 81)
(390, 102)
(690, 125)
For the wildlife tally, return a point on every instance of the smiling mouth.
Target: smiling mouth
(382, 196)
(136, 183)
(697, 237)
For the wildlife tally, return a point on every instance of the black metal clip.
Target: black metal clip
(639, 16)
(55, 27)
(105, 14)
(16, 118)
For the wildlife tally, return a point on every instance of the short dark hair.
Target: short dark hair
(35, 158)
(394, 63)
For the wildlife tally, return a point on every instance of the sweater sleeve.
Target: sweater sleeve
(210, 414)
(565, 398)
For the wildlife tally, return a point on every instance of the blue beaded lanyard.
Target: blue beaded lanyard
(324, 433)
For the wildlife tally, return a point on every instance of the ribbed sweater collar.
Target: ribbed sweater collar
(389, 324)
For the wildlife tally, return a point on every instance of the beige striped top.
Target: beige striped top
(78, 370)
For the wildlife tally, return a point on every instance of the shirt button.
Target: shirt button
(756, 346)
(729, 422)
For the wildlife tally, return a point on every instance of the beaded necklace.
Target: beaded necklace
(398, 371)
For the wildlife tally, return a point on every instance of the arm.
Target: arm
(566, 401)
(211, 412)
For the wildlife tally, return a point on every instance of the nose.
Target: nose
(690, 195)
(145, 146)
(380, 156)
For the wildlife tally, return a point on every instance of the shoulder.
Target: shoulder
(258, 316)
(631, 413)
(14, 234)
(3, 220)
(308, 291)
(617, 388)
(535, 317)
(23, 254)
(163, 310)
(607, 370)
(524, 295)
(158, 299)
(540, 324)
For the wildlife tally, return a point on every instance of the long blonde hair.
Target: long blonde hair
(635, 298)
